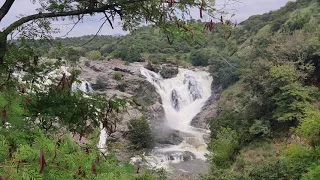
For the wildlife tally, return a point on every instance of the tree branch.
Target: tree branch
(102, 9)
(5, 8)
(26, 19)
(96, 33)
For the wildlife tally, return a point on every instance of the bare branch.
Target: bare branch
(102, 9)
(73, 26)
(5, 8)
(105, 14)
(96, 33)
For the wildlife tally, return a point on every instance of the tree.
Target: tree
(199, 58)
(223, 147)
(140, 133)
(132, 13)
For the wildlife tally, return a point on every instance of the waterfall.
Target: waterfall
(182, 99)
(83, 86)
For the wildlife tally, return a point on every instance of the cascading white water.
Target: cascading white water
(86, 88)
(182, 99)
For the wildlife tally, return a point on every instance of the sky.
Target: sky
(90, 25)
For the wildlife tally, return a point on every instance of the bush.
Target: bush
(169, 72)
(117, 76)
(122, 87)
(268, 170)
(199, 58)
(140, 133)
(101, 83)
(131, 54)
(94, 55)
(223, 148)
(158, 58)
(73, 59)
(87, 63)
(224, 74)
(76, 72)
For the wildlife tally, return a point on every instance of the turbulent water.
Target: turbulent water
(182, 99)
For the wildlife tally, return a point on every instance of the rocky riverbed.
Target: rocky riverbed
(129, 83)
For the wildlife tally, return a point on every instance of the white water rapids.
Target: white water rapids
(182, 99)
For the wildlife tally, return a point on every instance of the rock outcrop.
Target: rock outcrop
(209, 110)
(146, 101)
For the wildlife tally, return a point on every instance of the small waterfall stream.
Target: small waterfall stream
(182, 99)
(86, 88)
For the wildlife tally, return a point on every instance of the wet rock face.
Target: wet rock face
(146, 100)
(166, 136)
(209, 111)
(194, 87)
(180, 155)
(175, 100)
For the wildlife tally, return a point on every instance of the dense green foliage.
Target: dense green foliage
(140, 133)
(270, 98)
(49, 129)
(168, 72)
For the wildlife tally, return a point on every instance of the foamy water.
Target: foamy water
(182, 99)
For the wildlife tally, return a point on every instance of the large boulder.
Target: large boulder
(166, 136)
(169, 72)
(208, 111)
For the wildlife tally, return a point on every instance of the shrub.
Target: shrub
(117, 76)
(158, 58)
(140, 133)
(94, 55)
(131, 54)
(224, 74)
(199, 58)
(169, 72)
(223, 147)
(122, 87)
(101, 83)
(87, 63)
(73, 59)
(76, 72)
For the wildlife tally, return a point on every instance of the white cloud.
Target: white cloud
(91, 25)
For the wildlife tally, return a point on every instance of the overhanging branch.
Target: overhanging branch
(26, 19)
(5, 8)
(112, 7)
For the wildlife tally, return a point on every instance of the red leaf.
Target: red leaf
(93, 168)
(42, 161)
(22, 90)
(4, 116)
(28, 100)
(79, 170)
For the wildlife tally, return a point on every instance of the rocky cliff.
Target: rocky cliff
(209, 110)
(129, 83)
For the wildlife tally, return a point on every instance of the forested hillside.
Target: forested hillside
(268, 123)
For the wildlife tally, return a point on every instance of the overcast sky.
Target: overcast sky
(242, 10)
